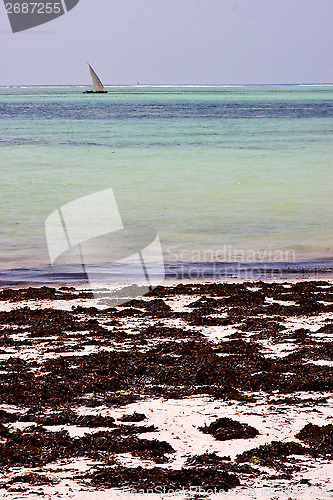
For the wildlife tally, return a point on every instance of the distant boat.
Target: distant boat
(98, 86)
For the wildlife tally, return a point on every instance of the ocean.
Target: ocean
(226, 175)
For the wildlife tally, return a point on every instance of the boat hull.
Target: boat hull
(95, 92)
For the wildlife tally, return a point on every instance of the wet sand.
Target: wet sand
(195, 390)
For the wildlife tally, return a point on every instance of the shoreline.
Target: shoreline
(174, 271)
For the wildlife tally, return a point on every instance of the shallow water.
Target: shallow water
(223, 174)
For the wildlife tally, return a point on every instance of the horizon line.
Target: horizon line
(165, 84)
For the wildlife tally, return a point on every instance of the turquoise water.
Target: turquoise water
(222, 173)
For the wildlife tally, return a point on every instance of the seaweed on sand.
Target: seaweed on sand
(134, 417)
(107, 442)
(35, 446)
(320, 438)
(224, 429)
(150, 355)
(163, 480)
(224, 463)
(42, 293)
(52, 320)
(67, 417)
(273, 454)
(33, 478)
(208, 459)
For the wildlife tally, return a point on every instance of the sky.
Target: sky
(174, 42)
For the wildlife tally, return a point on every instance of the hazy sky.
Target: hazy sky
(175, 42)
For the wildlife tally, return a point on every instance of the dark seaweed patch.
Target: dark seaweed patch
(134, 417)
(207, 459)
(139, 478)
(322, 350)
(35, 446)
(34, 479)
(42, 293)
(68, 417)
(327, 328)
(226, 428)
(224, 463)
(273, 454)
(52, 320)
(238, 346)
(320, 438)
(97, 444)
(160, 331)
(6, 417)
(261, 325)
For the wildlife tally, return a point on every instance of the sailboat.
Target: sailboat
(98, 86)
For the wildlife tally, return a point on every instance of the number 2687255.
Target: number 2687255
(33, 8)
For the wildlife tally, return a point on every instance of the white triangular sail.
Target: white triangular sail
(98, 86)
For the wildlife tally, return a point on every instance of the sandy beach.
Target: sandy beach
(194, 391)
(166, 256)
